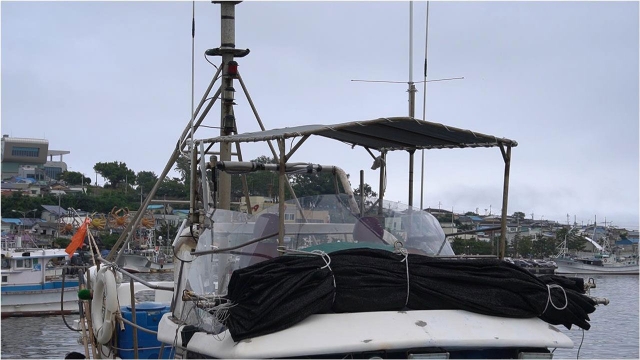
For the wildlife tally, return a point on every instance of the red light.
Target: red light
(232, 68)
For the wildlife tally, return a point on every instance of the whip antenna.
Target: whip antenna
(424, 102)
(193, 42)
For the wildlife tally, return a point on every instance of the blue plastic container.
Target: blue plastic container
(148, 315)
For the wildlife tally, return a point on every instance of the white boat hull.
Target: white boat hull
(575, 267)
(371, 331)
(39, 302)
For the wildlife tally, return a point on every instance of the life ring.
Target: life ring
(104, 294)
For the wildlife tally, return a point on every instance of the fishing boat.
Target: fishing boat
(603, 262)
(330, 275)
(34, 283)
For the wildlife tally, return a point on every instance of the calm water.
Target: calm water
(613, 335)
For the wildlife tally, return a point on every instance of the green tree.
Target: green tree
(524, 246)
(183, 167)
(74, 178)
(367, 191)
(172, 188)
(146, 180)
(108, 240)
(519, 215)
(576, 243)
(313, 184)
(470, 246)
(116, 173)
(61, 243)
(470, 213)
(259, 183)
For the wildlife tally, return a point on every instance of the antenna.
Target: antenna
(424, 100)
(412, 90)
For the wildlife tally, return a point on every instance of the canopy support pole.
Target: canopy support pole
(506, 156)
(281, 180)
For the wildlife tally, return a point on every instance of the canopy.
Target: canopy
(394, 133)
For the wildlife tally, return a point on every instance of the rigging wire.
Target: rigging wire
(212, 64)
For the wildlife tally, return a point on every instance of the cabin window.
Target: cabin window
(4, 279)
(289, 216)
(35, 261)
(5, 264)
(23, 263)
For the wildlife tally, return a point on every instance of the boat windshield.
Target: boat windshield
(324, 222)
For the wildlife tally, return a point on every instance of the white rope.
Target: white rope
(549, 300)
(327, 261)
(403, 251)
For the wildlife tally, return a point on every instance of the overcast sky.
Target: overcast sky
(112, 81)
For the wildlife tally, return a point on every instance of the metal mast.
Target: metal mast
(228, 52)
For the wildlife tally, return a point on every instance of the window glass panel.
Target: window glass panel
(25, 151)
(19, 263)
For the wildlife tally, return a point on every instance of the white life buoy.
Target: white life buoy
(104, 294)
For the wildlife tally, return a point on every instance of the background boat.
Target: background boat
(34, 282)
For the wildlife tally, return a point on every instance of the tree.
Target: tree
(146, 180)
(576, 243)
(368, 192)
(74, 178)
(116, 173)
(470, 246)
(313, 184)
(172, 188)
(108, 240)
(470, 213)
(518, 215)
(259, 183)
(524, 246)
(183, 167)
(61, 243)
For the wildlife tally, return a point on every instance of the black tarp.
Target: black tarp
(275, 294)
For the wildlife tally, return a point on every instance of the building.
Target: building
(30, 158)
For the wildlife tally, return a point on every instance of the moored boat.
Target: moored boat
(34, 283)
(604, 262)
(592, 265)
(335, 275)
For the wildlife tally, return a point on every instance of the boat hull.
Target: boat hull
(39, 302)
(347, 333)
(575, 267)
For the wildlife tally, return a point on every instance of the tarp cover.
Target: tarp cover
(278, 293)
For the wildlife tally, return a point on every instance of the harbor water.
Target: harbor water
(614, 333)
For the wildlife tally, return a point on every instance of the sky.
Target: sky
(111, 81)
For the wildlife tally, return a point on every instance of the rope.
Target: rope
(325, 257)
(64, 319)
(550, 301)
(403, 251)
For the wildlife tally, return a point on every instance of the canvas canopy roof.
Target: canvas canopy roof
(395, 133)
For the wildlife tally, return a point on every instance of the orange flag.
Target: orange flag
(78, 238)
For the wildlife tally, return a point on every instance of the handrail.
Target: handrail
(138, 279)
(215, 251)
